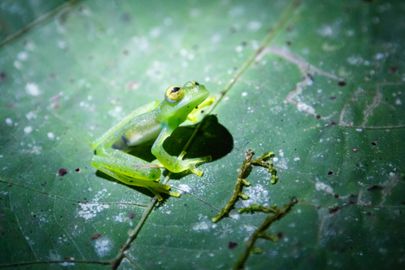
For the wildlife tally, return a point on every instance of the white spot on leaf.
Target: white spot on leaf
(155, 32)
(32, 89)
(51, 136)
(22, 56)
(31, 115)
(257, 194)
(201, 226)
(254, 25)
(239, 48)
(90, 210)
(17, 64)
(303, 107)
(325, 31)
(121, 217)
(28, 130)
(185, 188)
(9, 122)
(216, 38)
(61, 44)
(102, 246)
(320, 186)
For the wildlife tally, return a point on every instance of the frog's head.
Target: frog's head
(180, 101)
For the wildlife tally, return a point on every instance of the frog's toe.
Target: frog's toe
(200, 160)
(191, 164)
(206, 159)
(163, 189)
(196, 171)
(175, 194)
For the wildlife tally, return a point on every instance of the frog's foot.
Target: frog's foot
(190, 164)
(159, 196)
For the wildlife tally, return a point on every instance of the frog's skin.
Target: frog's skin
(154, 121)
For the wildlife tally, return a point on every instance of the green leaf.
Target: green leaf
(320, 84)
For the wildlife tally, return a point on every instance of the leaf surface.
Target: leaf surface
(325, 94)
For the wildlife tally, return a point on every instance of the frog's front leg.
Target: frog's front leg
(198, 113)
(131, 171)
(173, 163)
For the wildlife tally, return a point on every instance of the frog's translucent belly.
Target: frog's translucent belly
(141, 129)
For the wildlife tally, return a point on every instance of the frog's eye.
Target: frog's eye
(174, 94)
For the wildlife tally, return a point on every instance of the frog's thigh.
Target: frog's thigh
(124, 164)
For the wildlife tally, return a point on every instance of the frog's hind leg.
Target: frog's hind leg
(132, 171)
(155, 188)
(126, 164)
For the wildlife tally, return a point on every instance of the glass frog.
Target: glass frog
(155, 121)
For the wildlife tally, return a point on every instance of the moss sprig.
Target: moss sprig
(253, 208)
(264, 161)
(275, 214)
